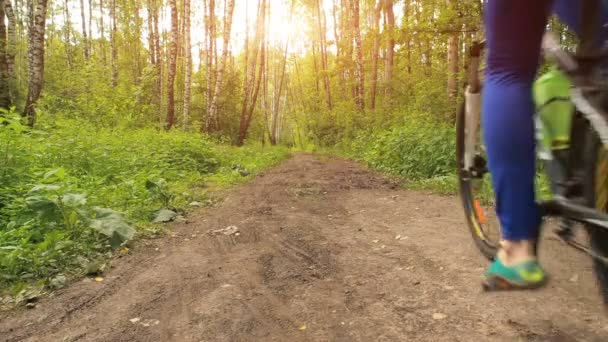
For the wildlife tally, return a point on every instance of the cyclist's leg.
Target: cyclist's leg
(514, 30)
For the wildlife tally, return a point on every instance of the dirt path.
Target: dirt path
(317, 259)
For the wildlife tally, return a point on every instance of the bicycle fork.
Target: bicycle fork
(472, 108)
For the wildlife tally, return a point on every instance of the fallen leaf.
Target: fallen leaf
(438, 316)
(302, 328)
(230, 230)
(124, 251)
(150, 322)
(99, 279)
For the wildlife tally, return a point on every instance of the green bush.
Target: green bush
(417, 150)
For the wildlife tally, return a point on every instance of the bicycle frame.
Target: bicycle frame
(586, 95)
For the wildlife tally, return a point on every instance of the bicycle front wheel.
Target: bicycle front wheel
(596, 191)
(476, 192)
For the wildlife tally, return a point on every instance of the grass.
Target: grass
(72, 194)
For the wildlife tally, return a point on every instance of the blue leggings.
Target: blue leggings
(514, 30)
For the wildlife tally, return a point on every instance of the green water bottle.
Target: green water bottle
(554, 108)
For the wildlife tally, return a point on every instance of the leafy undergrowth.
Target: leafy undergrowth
(421, 153)
(71, 195)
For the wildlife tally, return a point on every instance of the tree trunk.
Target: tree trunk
(67, 37)
(408, 47)
(158, 55)
(11, 47)
(172, 66)
(213, 115)
(375, 54)
(321, 25)
(90, 42)
(316, 66)
(37, 19)
(113, 50)
(84, 31)
(151, 45)
(359, 71)
(390, 48)
(337, 36)
(452, 60)
(274, 138)
(102, 33)
(251, 90)
(210, 42)
(246, 120)
(5, 96)
(188, 60)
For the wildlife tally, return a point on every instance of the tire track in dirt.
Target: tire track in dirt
(317, 259)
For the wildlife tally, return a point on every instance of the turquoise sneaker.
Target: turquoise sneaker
(527, 275)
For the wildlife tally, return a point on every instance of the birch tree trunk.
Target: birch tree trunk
(37, 20)
(113, 51)
(5, 97)
(188, 61)
(452, 60)
(85, 41)
(253, 84)
(90, 41)
(172, 67)
(228, 12)
(390, 48)
(151, 45)
(102, 33)
(359, 70)
(321, 25)
(67, 35)
(11, 47)
(375, 54)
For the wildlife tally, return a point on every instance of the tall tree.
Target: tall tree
(67, 34)
(37, 19)
(113, 47)
(5, 98)
(188, 61)
(452, 55)
(151, 28)
(90, 41)
(84, 31)
(11, 47)
(375, 54)
(158, 53)
(390, 48)
(172, 66)
(274, 137)
(213, 112)
(359, 69)
(102, 33)
(252, 85)
(322, 29)
(210, 46)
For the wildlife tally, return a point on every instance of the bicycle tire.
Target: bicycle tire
(596, 195)
(487, 248)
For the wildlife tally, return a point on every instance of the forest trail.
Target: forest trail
(326, 251)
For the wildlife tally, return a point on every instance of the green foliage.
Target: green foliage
(73, 192)
(417, 150)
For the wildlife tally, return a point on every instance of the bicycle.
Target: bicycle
(576, 197)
